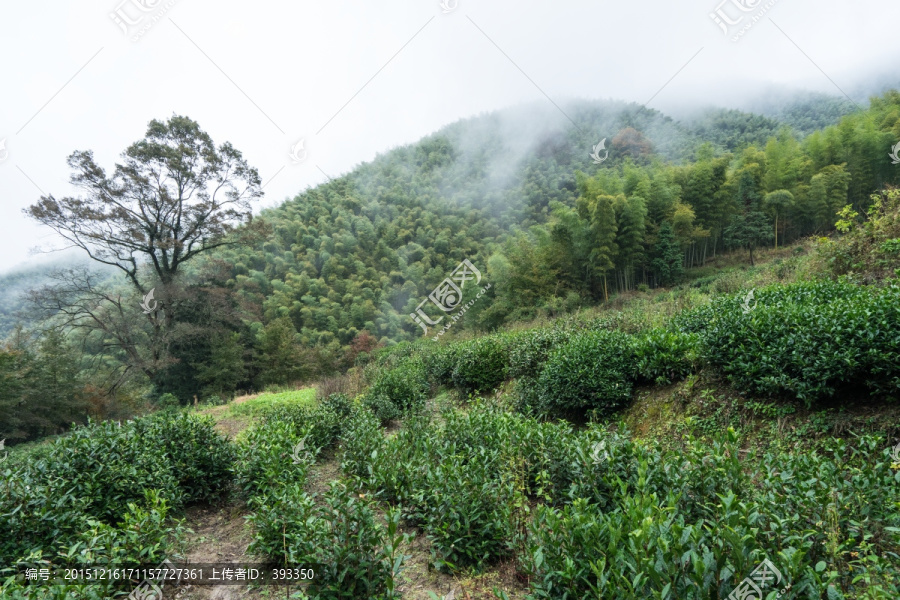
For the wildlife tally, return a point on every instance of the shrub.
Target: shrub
(198, 455)
(270, 455)
(353, 554)
(529, 350)
(808, 340)
(103, 492)
(467, 510)
(480, 365)
(111, 466)
(168, 401)
(269, 400)
(361, 440)
(398, 390)
(321, 424)
(589, 372)
(439, 362)
(662, 356)
(692, 524)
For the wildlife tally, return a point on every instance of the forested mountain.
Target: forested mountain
(556, 209)
(804, 112)
(518, 194)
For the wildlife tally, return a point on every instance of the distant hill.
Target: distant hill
(360, 252)
(15, 285)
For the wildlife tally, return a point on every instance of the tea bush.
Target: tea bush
(808, 340)
(452, 480)
(530, 349)
(589, 372)
(466, 509)
(353, 554)
(480, 365)
(104, 492)
(321, 423)
(662, 356)
(270, 454)
(400, 389)
(439, 362)
(268, 400)
(692, 524)
(168, 402)
(199, 456)
(596, 513)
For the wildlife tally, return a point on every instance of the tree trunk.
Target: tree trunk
(776, 230)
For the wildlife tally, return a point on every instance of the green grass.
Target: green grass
(265, 401)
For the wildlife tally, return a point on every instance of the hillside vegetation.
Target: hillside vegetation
(318, 283)
(664, 448)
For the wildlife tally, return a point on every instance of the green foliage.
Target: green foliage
(198, 455)
(168, 401)
(396, 391)
(689, 524)
(749, 231)
(530, 349)
(42, 389)
(662, 356)
(267, 401)
(595, 513)
(271, 453)
(321, 425)
(354, 555)
(104, 492)
(589, 372)
(871, 248)
(668, 263)
(454, 481)
(480, 365)
(810, 341)
(341, 536)
(279, 356)
(439, 363)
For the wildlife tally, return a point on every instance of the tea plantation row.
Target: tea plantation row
(103, 495)
(594, 514)
(808, 341)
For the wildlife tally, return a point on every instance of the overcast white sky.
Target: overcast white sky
(356, 78)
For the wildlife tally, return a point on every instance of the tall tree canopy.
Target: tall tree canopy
(175, 196)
